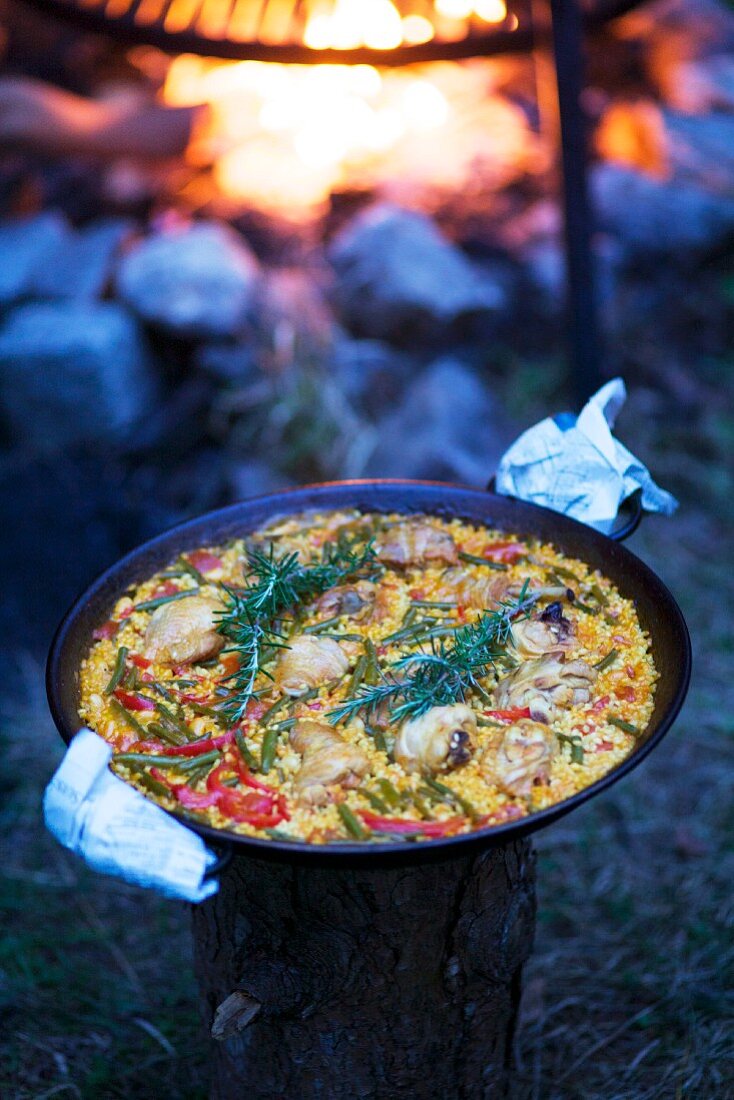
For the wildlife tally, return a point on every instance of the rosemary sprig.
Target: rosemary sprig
(274, 586)
(445, 674)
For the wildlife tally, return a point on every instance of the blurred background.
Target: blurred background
(220, 277)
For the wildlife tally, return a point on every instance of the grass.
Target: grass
(628, 995)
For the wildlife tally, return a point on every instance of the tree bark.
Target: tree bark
(388, 983)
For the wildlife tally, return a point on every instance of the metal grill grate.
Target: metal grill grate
(304, 31)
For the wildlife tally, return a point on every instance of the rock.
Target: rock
(398, 279)
(26, 245)
(700, 86)
(231, 364)
(669, 145)
(73, 373)
(448, 428)
(659, 216)
(254, 478)
(674, 33)
(196, 281)
(81, 266)
(371, 374)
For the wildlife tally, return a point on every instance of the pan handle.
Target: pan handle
(630, 515)
(224, 858)
(628, 520)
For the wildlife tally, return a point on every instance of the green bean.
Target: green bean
(358, 675)
(267, 750)
(482, 722)
(186, 567)
(342, 637)
(198, 773)
(284, 724)
(184, 683)
(464, 804)
(282, 702)
(130, 680)
(474, 560)
(177, 723)
(442, 605)
(153, 785)
(442, 631)
(183, 763)
(620, 723)
(158, 687)
(117, 671)
(577, 748)
(403, 634)
(151, 605)
(599, 596)
(310, 694)
(242, 745)
(420, 806)
(389, 793)
(567, 575)
(409, 617)
(351, 822)
(278, 834)
(163, 734)
(605, 662)
(123, 713)
(585, 608)
(374, 800)
(316, 628)
(377, 736)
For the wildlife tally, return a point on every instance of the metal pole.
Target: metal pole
(583, 324)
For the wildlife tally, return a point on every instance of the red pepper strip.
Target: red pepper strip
(106, 630)
(138, 661)
(397, 825)
(194, 748)
(599, 705)
(204, 561)
(506, 552)
(134, 702)
(241, 807)
(168, 588)
(509, 715)
(185, 795)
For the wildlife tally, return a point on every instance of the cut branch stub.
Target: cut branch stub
(234, 1014)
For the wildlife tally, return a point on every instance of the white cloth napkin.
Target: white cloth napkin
(577, 466)
(119, 832)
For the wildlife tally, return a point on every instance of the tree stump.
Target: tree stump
(343, 982)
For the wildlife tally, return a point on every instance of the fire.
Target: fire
(285, 136)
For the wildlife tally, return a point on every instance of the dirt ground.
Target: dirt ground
(629, 994)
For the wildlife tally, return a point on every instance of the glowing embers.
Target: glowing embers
(285, 136)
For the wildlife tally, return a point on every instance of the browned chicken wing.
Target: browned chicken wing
(439, 740)
(308, 662)
(184, 631)
(550, 631)
(546, 685)
(355, 600)
(416, 544)
(328, 760)
(520, 756)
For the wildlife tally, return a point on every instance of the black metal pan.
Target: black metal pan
(658, 612)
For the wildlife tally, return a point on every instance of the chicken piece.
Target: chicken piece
(546, 685)
(328, 760)
(355, 600)
(437, 741)
(416, 544)
(547, 633)
(481, 590)
(184, 631)
(520, 756)
(308, 662)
